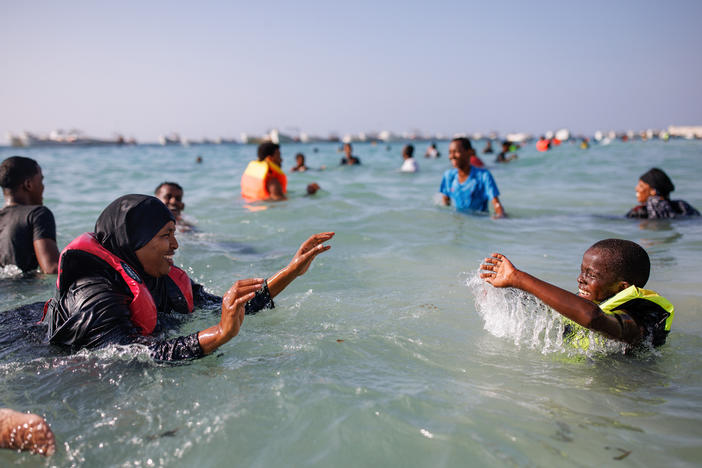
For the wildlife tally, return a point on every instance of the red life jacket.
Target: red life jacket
(142, 308)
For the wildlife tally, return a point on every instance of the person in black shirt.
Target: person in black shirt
(96, 305)
(349, 159)
(653, 194)
(27, 228)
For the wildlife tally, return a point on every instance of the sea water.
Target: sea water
(388, 351)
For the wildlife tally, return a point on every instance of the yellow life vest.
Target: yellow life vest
(578, 336)
(255, 178)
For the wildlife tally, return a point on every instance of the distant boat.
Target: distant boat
(61, 138)
(171, 139)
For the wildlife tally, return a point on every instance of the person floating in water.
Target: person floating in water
(26, 432)
(118, 285)
(653, 194)
(610, 301)
(349, 159)
(409, 164)
(27, 227)
(469, 187)
(502, 157)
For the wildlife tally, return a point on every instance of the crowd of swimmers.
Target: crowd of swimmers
(117, 284)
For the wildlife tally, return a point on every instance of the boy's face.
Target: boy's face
(172, 197)
(596, 282)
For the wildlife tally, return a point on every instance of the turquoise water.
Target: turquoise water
(387, 352)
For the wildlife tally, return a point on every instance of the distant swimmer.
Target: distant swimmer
(653, 194)
(349, 159)
(299, 163)
(610, 301)
(26, 432)
(502, 156)
(543, 144)
(264, 179)
(27, 227)
(488, 148)
(469, 187)
(409, 164)
(432, 152)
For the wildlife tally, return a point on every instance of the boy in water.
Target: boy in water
(610, 300)
(27, 227)
(171, 194)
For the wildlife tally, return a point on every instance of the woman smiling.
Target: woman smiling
(117, 285)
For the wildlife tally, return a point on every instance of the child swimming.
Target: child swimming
(610, 299)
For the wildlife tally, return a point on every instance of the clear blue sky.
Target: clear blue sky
(209, 69)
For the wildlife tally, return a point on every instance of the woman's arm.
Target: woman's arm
(502, 274)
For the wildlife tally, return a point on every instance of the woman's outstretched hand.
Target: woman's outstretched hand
(233, 309)
(308, 251)
(300, 262)
(498, 271)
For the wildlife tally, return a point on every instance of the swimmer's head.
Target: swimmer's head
(348, 149)
(171, 194)
(300, 159)
(408, 151)
(610, 266)
(18, 173)
(654, 182)
(266, 149)
(460, 151)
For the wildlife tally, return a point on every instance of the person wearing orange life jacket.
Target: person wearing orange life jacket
(264, 179)
(118, 286)
(543, 144)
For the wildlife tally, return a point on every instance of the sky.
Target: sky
(217, 69)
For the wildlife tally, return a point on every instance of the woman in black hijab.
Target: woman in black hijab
(118, 285)
(653, 194)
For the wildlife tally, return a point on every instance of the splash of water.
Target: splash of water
(521, 317)
(10, 271)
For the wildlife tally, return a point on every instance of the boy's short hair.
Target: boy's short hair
(172, 184)
(15, 170)
(267, 148)
(626, 259)
(408, 150)
(465, 143)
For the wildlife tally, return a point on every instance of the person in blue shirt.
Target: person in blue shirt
(469, 187)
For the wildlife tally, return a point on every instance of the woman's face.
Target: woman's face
(643, 191)
(157, 256)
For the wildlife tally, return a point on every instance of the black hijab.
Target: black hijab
(128, 224)
(659, 181)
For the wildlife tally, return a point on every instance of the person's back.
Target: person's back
(408, 164)
(27, 228)
(264, 179)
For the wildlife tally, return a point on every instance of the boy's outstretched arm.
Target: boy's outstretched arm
(500, 273)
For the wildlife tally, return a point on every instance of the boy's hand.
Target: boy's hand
(499, 271)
